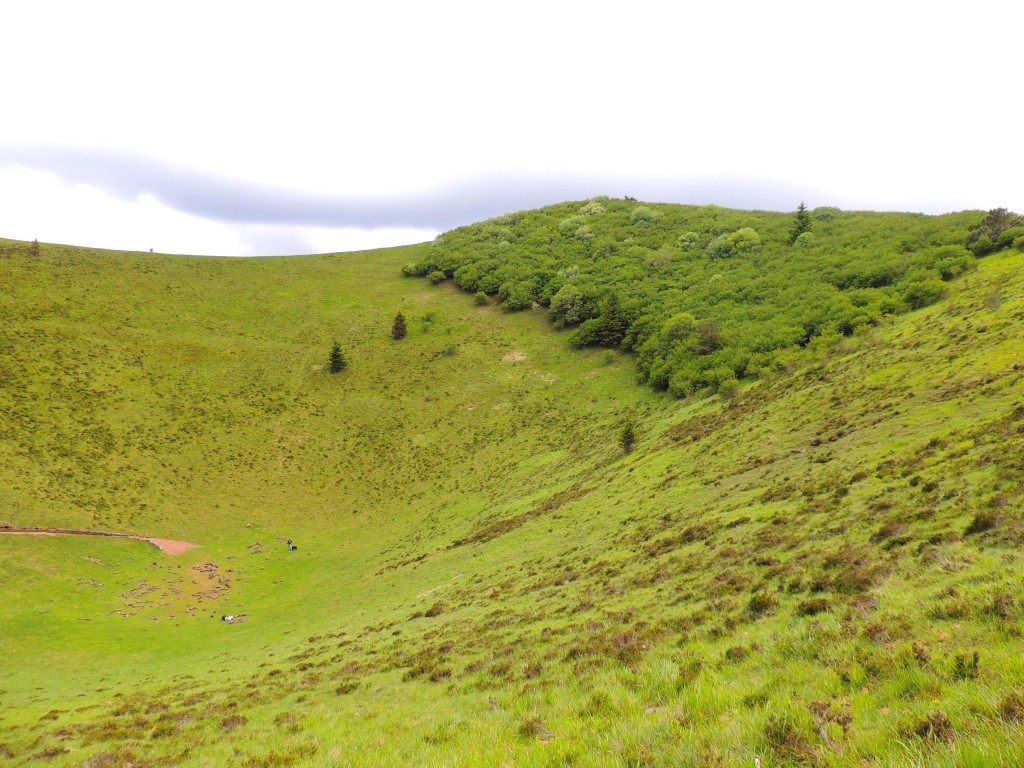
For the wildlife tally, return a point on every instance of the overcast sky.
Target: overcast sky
(261, 128)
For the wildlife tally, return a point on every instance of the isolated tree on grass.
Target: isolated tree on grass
(398, 329)
(338, 361)
(627, 435)
(801, 223)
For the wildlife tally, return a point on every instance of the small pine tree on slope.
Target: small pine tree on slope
(801, 223)
(398, 329)
(338, 361)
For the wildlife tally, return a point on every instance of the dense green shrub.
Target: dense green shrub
(572, 305)
(586, 335)
(608, 329)
(923, 292)
(642, 215)
(1008, 236)
(519, 294)
(744, 240)
(707, 296)
(570, 225)
(982, 245)
(988, 235)
(688, 241)
(719, 248)
(953, 261)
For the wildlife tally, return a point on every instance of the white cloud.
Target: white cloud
(887, 103)
(38, 205)
(257, 240)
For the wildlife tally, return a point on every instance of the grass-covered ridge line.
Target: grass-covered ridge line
(708, 296)
(823, 569)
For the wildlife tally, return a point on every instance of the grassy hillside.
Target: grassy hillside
(823, 568)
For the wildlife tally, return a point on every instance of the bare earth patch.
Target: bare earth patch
(514, 357)
(172, 547)
(169, 546)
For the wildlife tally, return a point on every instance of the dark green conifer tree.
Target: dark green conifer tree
(614, 321)
(801, 223)
(398, 329)
(338, 361)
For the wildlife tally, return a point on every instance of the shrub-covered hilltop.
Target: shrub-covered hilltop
(708, 296)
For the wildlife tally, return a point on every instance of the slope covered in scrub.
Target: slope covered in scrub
(707, 296)
(822, 568)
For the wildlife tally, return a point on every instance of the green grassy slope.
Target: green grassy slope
(803, 571)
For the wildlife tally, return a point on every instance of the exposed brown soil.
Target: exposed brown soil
(172, 547)
(168, 546)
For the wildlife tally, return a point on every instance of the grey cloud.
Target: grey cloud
(235, 201)
(281, 240)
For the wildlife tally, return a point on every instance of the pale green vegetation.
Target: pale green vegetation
(821, 565)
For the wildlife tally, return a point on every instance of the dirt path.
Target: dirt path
(169, 546)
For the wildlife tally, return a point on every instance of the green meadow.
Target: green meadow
(812, 558)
